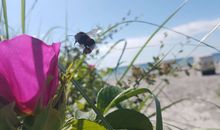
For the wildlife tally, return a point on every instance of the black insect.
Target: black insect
(84, 40)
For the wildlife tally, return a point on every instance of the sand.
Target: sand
(201, 110)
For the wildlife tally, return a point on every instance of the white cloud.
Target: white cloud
(194, 29)
(197, 27)
(191, 29)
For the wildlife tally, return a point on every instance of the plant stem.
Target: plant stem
(79, 88)
(151, 37)
(23, 15)
(4, 6)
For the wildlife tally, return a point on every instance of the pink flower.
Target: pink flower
(91, 67)
(28, 72)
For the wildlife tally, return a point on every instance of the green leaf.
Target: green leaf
(86, 125)
(129, 119)
(106, 95)
(126, 94)
(48, 119)
(80, 89)
(8, 119)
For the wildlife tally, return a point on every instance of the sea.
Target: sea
(180, 62)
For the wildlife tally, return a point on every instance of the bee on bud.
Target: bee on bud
(84, 40)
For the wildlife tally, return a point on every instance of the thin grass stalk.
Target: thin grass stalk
(128, 93)
(154, 66)
(149, 71)
(119, 59)
(183, 123)
(168, 124)
(143, 103)
(51, 30)
(168, 106)
(208, 102)
(150, 38)
(110, 49)
(80, 89)
(32, 8)
(160, 91)
(81, 61)
(164, 27)
(23, 6)
(66, 22)
(1, 15)
(206, 36)
(39, 30)
(77, 66)
(4, 6)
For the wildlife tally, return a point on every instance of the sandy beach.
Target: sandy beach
(202, 107)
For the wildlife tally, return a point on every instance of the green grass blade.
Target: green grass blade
(159, 120)
(154, 66)
(124, 95)
(23, 3)
(78, 64)
(170, 105)
(4, 6)
(133, 92)
(164, 27)
(174, 126)
(143, 103)
(109, 50)
(0, 15)
(150, 38)
(66, 22)
(119, 59)
(50, 31)
(31, 8)
(80, 89)
(206, 36)
(208, 102)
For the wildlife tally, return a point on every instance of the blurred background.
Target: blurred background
(187, 48)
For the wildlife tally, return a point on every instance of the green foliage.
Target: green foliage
(48, 119)
(128, 119)
(81, 81)
(8, 117)
(150, 38)
(126, 94)
(90, 115)
(106, 95)
(86, 125)
(111, 96)
(80, 89)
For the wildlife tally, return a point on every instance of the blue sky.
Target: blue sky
(195, 19)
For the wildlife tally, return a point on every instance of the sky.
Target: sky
(196, 19)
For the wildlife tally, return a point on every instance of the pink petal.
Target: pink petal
(28, 71)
